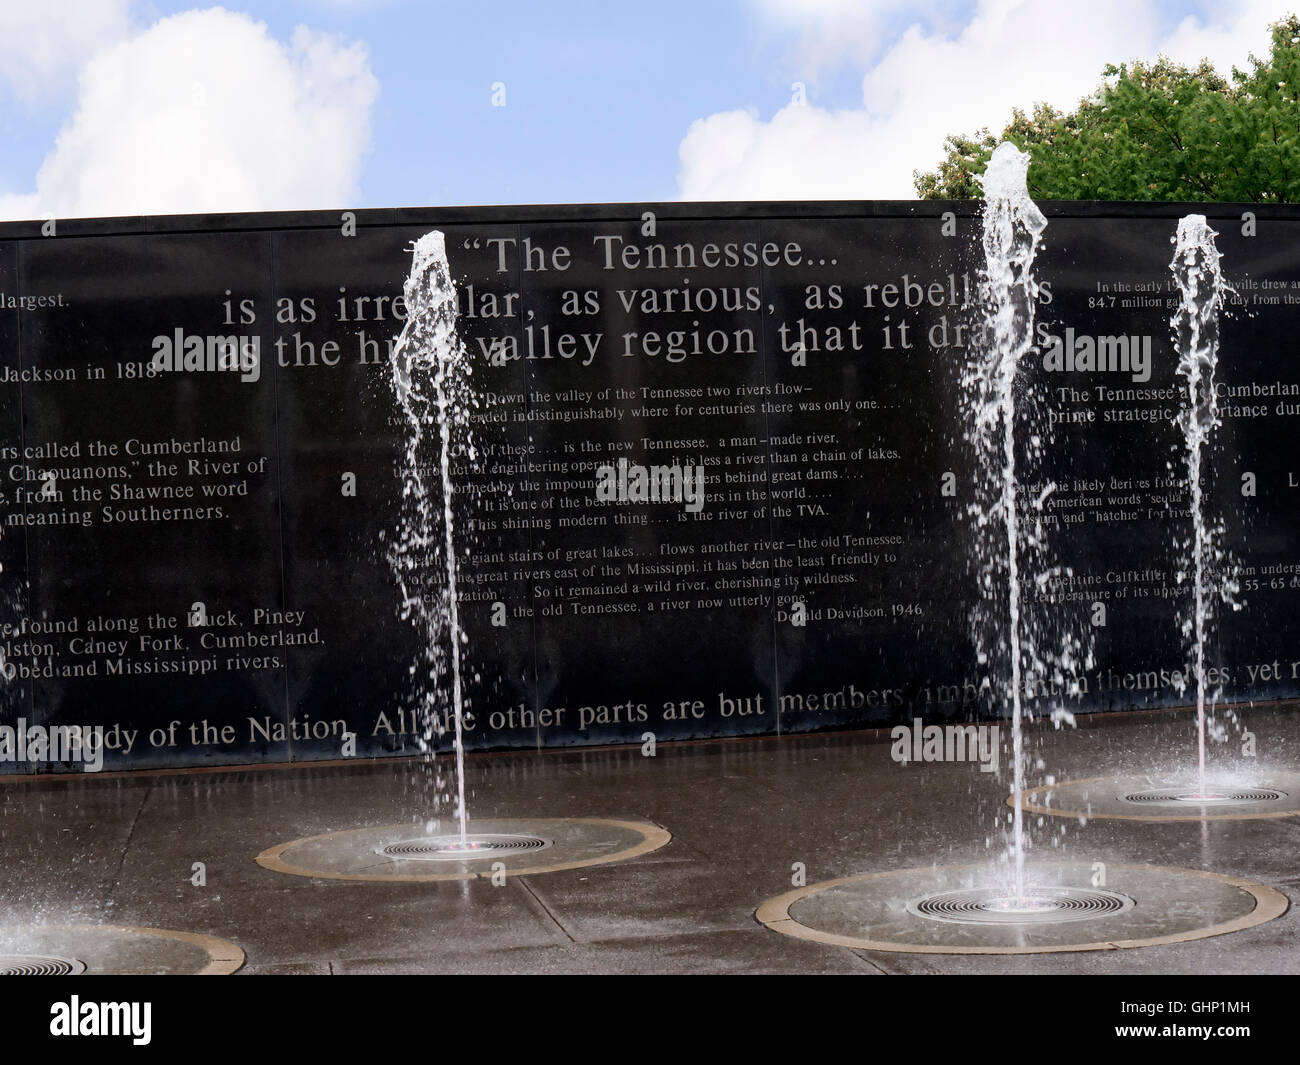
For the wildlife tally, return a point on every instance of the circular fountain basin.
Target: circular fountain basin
(493, 848)
(1135, 798)
(119, 950)
(957, 910)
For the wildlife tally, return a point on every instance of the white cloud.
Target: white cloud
(206, 112)
(1233, 33)
(802, 153)
(928, 84)
(827, 31)
(42, 45)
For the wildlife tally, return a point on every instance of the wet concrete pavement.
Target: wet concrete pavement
(122, 850)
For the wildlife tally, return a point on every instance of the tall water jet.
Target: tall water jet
(1031, 653)
(1207, 569)
(1012, 227)
(430, 377)
(1195, 323)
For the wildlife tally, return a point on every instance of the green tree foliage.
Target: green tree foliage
(1155, 131)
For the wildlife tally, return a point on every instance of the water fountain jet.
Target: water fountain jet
(430, 372)
(1201, 290)
(1056, 906)
(1171, 796)
(430, 375)
(1013, 225)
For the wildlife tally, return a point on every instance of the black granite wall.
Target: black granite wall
(804, 357)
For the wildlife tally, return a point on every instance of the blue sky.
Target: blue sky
(604, 101)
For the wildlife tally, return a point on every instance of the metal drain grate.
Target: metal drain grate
(451, 849)
(39, 965)
(1212, 797)
(1041, 905)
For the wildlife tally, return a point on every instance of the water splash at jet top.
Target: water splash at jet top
(430, 377)
(1030, 655)
(1195, 323)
